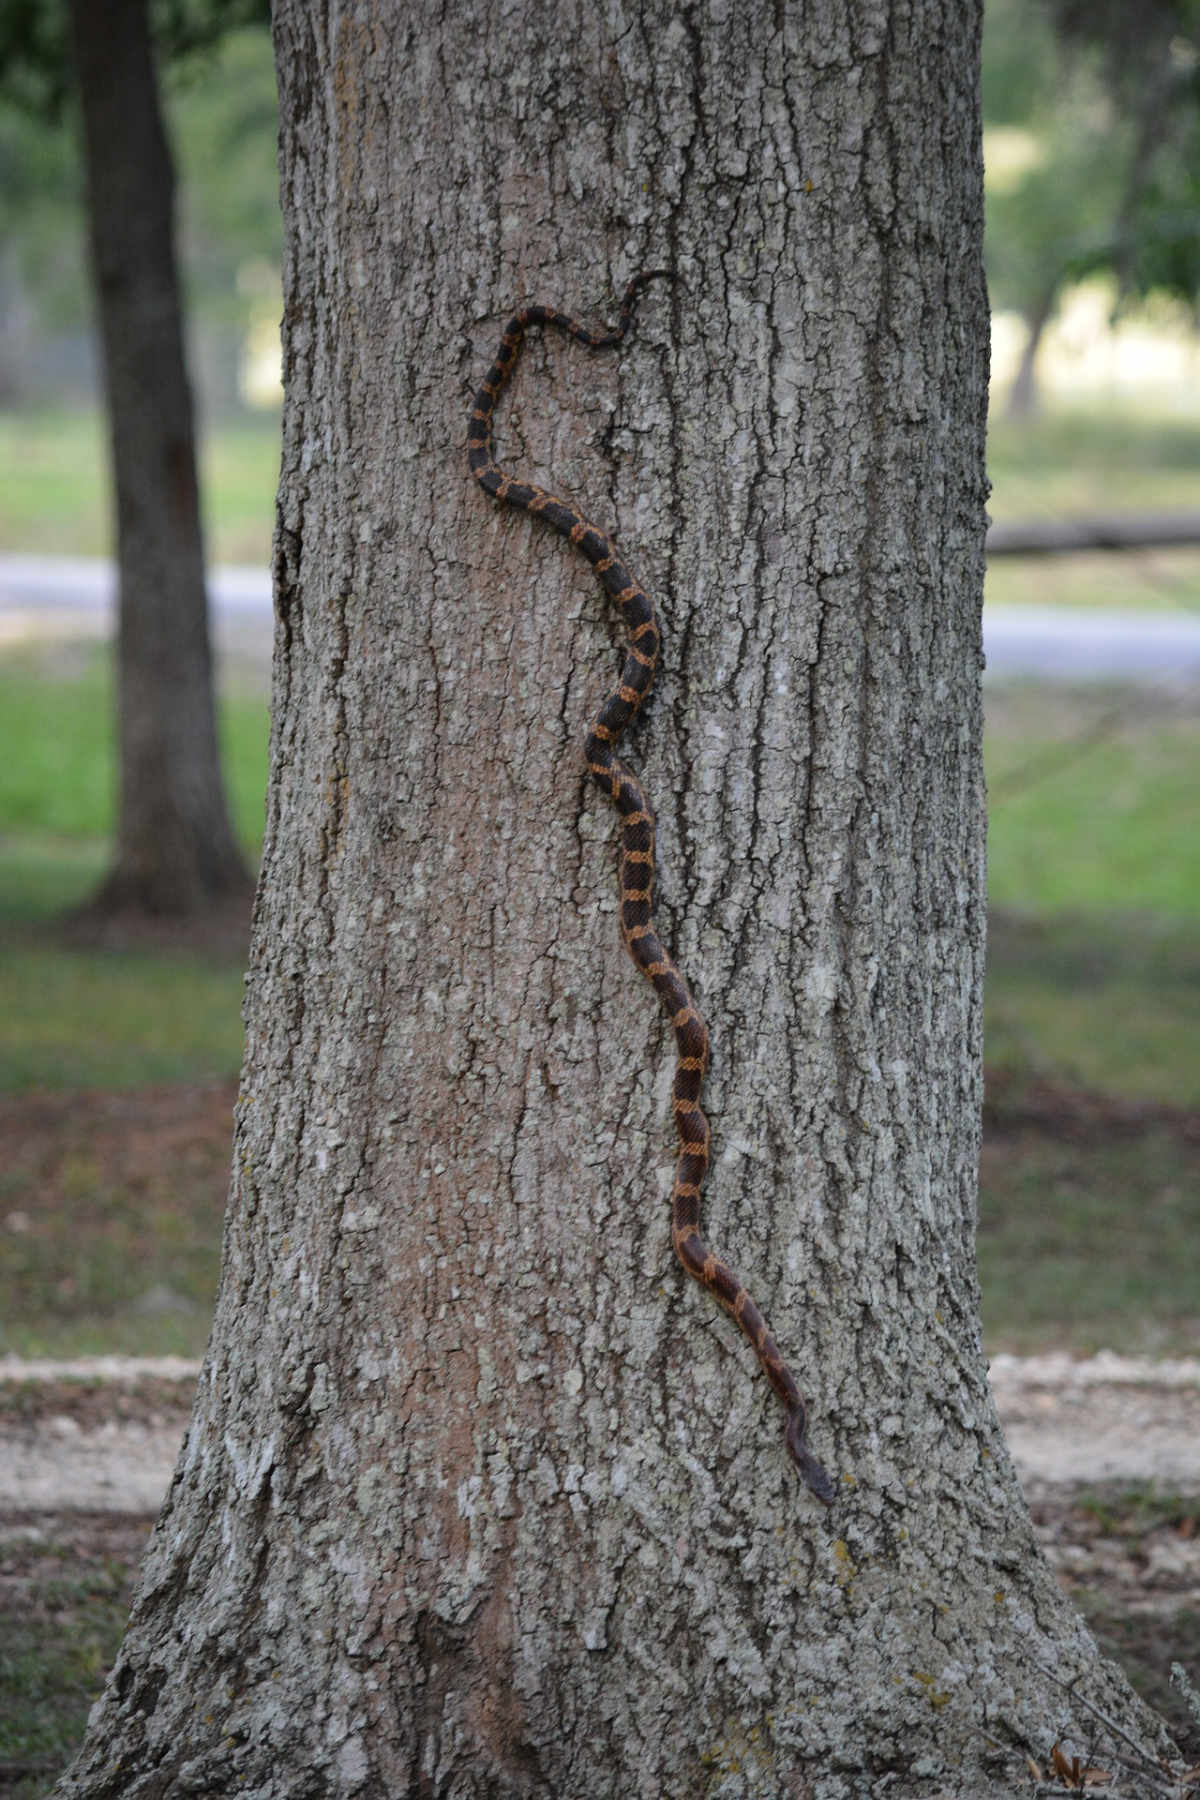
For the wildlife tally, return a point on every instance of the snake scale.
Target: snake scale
(643, 642)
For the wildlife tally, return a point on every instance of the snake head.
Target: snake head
(812, 1474)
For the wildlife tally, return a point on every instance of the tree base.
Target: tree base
(118, 917)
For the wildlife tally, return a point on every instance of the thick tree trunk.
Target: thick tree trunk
(482, 1497)
(176, 851)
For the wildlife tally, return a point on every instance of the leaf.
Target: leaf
(1073, 1774)
(1067, 1772)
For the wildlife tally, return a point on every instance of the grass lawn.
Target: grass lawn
(1082, 460)
(54, 489)
(64, 1600)
(54, 496)
(1093, 984)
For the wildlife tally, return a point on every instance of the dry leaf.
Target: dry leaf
(1074, 1774)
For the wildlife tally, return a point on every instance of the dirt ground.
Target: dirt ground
(1108, 1449)
(101, 1434)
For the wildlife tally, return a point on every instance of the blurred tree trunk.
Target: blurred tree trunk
(176, 851)
(481, 1497)
(1023, 401)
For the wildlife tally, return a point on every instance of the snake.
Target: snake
(643, 646)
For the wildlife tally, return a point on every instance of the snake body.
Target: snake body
(643, 642)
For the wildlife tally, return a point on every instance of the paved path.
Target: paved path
(63, 596)
(1105, 1419)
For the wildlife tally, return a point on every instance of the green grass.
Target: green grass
(54, 495)
(1093, 984)
(1130, 581)
(1089, 1244)
(58, 757)
(1110, 1003)
(1082, 460)
(43, 876)
(1064, 464)
(73, 1017)
(63, 1608)
(1094, 801)
(54, 487)
(62, 781)
(76, 1018)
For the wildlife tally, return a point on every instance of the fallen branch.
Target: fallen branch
(1064, 537)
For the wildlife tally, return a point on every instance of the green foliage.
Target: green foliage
(219, 101)
(1055, 224)
(41, 213)
(1109, 96)
(1020, 60)
(35, 55)
(223, 117)
(35, 42)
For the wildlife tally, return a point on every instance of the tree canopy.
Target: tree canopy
(1094, 113)
(226, 227)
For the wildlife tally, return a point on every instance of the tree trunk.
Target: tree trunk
(176, 851)
(482, 1497)
(1023, 399)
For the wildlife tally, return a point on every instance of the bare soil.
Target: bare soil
(1108, 1447)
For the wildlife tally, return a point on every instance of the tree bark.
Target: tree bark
(481, 1496)
(176, 851)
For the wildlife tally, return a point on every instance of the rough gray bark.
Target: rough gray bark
(176, 851)
(481, 1496)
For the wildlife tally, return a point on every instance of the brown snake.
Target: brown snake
(637, 850)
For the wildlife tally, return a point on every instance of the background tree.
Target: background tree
(221, 119)
(176, 852)
(480, 1496)
(1111, 97)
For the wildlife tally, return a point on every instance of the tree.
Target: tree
(219, 113)
(1150, 60)
(1113, 95)
(480, 1496)
(176, 852)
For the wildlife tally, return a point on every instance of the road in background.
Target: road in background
(63, 597)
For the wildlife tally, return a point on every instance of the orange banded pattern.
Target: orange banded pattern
(637, 849)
